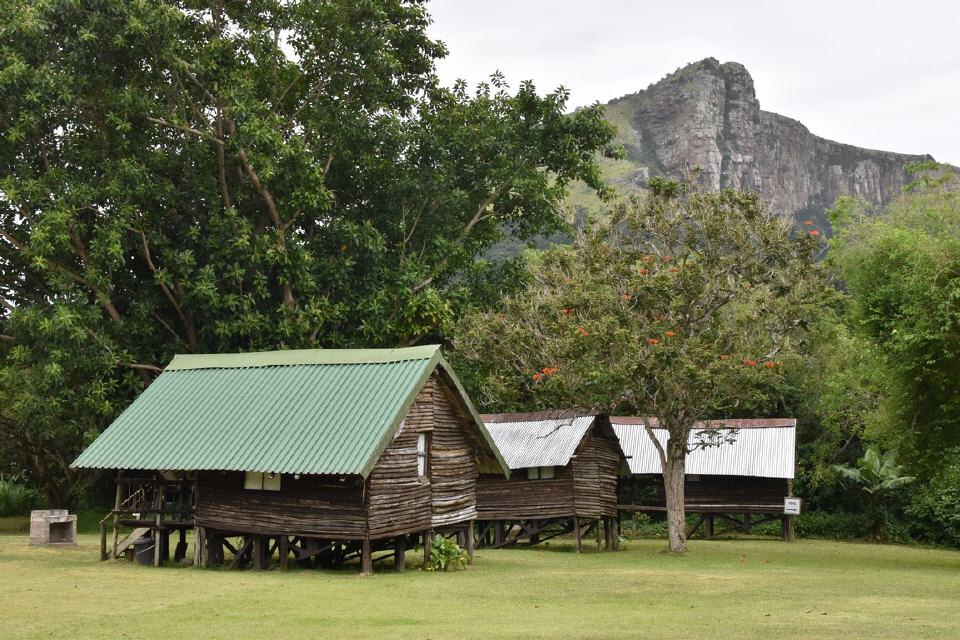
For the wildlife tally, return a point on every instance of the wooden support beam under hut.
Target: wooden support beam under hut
(375, 452)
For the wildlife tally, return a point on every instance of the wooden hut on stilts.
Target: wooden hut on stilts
(742, 478)
(563, 479)
(310, 456)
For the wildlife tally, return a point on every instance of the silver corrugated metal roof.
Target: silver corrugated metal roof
(764, 449)
(548, 442)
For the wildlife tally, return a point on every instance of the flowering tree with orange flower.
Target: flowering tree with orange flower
(680, 306)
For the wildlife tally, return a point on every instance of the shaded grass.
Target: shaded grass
(721, 589)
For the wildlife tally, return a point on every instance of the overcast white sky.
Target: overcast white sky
(877, 74)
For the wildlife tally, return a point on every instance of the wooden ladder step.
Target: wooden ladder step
(135, 535)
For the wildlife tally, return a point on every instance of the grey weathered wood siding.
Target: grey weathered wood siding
(453, 466)
(399, 500)
(520, 498)
(595, 467)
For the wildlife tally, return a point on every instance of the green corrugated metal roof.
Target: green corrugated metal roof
(323, 411)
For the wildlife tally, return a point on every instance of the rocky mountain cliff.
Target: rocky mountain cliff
(705, 121)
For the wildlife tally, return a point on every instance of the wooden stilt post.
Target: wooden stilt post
(599, 533)
(366, 557)
(708, 531)
(498, 533)
(577, 543)
(103, 541)
(470, 542)
(164, 545)
(427, 542)
(181, 551)
(284, 549)
(118, 501)
(260, 545)
(199, 545)
(400, 553)
(787, 523)
(158, 505)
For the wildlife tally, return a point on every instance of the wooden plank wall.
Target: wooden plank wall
(453, 467)
(736, 490)
(319, 506)
(595, 467)
(399, 499)
(520, 498)
(648, 490)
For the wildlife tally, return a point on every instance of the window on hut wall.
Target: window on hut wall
(540, 473)
(423, 455)
(256, 481)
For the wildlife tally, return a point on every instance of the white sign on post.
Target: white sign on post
(791, 506)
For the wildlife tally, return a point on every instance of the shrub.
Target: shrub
(446, 555)
(647, 527)
(837, 525)
(17, 499)
(936, 506)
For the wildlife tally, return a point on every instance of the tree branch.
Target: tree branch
(11, 240)
(474, 221)
(143, 367)
(283, 95)
(187, 323)
(656, 443)
(186, 129)
(84, 258)
(262, 190)
(272, 209)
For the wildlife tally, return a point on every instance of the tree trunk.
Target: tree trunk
(674, 473)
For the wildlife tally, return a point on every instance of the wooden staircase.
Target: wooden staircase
(133, 536)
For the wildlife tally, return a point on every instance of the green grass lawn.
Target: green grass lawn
(721, 589)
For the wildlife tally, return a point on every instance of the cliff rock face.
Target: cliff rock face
(704, 121)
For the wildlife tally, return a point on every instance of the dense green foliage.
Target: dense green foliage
(446, 555)
(17, 499)
(878, 477)
(220, 176)
(902, 270)
(935, 509)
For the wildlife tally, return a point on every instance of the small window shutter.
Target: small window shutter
(533, 473)
(253, 481)
(271, 482)
(421, 455)
(546, 473)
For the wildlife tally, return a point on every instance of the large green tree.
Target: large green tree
(211, 175)
(902, 270)
(681, 307)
